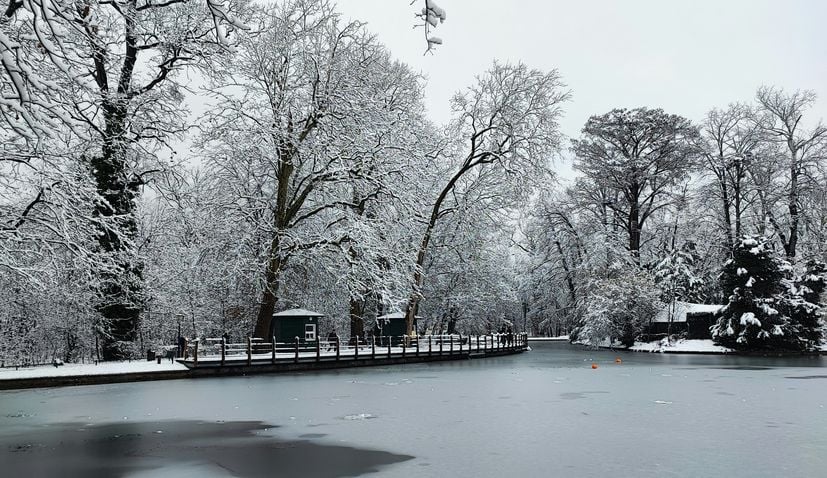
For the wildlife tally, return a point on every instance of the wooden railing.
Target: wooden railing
(219, 352)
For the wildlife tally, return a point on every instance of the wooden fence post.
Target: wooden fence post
(223, 350)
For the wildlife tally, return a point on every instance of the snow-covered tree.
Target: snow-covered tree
(505, 128)
(767, 307)
(780, 119)
(619, 307)
(638, 155)
(311, 121)
(105, 73)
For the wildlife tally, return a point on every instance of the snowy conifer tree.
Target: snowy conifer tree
(766, 309)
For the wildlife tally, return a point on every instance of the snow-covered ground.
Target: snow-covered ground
(682, 345)
(677, 346)
(71, 370)
(560, 338)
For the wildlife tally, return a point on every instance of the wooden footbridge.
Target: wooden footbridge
(256, 356)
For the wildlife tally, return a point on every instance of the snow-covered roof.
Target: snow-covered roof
(297, 313)
(683, 308)
(395, 315)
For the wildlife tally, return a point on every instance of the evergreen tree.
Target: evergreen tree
(767, 306)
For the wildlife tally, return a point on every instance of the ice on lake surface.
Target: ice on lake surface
(541, 413)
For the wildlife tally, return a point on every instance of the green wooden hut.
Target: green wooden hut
(392, 325)
(292, 323)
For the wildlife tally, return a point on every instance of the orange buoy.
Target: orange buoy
(594, 365)
(618, 361)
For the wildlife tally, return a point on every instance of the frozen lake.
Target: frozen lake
(541, 413)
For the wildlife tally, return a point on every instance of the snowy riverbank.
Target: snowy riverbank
(681, 346)
(83, 370)
(689, 346)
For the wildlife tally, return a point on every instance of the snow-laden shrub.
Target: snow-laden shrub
(619, 307)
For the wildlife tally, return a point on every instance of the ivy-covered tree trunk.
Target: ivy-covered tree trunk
(120, 288)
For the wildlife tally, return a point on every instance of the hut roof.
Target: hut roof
(683, 308)
(395, 315)
(297, 313)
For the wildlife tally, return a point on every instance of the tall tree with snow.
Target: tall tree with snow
(506, 122)
(301, 128)
(107, 70)
(639, 154)
(781, 121)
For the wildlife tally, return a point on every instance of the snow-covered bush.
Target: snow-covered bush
(768, 306)
(619, 307)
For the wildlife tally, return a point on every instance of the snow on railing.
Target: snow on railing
(217, 351)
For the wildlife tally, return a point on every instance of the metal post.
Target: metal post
(296, 351)
(249, 351)
(356, 348)
(195, 355)
(318, 349)
(404, 345)
(223, 350)
(451, 344)
(337, 347)
(373, 347)
(273, 349)
(430, 348)
(441, 339)
(460, 344)
(478, 342)
(390, 339)
(417, 346)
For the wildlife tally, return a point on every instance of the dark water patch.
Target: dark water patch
(244, 449)
(806, 377)
(579, 395)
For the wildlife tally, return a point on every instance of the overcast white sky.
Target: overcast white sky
(683, 56)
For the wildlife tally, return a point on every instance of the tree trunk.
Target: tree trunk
(634, 230)
(275, 262)
(793, 206)
(121, 288)
(264, 321)
(357, 313)
(416, 294)
(727, 216)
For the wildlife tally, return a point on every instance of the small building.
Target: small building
(694, 319)
(292, 323)
(392, 325)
